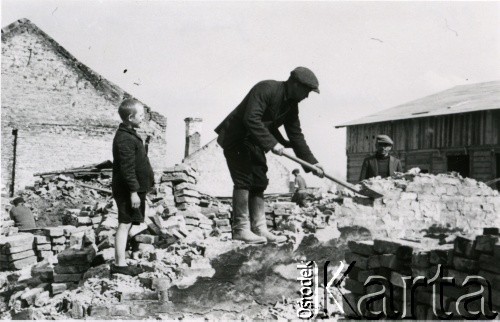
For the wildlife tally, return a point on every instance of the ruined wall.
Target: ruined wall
(214, 176)
(65, 113)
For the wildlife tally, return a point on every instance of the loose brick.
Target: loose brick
(74, 269)
(71, 256)
(465, 264)
(43, 247)
(465, 247)
(54, 231)
(65, 278)
(420, 259)
(354, 286)
(390, 261)
(489, 263)
(58, 288)
(400, 280)
(119, 310)
(21, 263)
(361, 247)
(16, 249)
(373, 262)
(58, 240)
(17, 240)
(42, 239)
(146, 239)
(401, 249)
(17, 256)
(99, 310)
(486, 243)
(142, 295)
(441, 256)
(361, 261)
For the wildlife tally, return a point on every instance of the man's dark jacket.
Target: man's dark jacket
(370, 167)
(132, 171)
(258, 118)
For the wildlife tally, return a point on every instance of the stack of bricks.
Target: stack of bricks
(43, 247)
(72, 264)
(426, 200)
(16, 251)
(106, 234)
(277, 212)
(223, 223)
(145, 243)
(86, 216)
(399, 262)
(57, 238)
(183, 179)
(166, 191)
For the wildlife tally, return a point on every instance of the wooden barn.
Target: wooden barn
(454, 130)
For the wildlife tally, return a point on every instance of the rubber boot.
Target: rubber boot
(258, 218)
(241, 219)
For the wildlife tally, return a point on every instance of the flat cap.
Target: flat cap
(305, 76)
(17, 200)
(382, 138)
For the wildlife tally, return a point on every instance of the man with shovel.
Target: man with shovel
(249, 132)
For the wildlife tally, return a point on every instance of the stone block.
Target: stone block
(361, 261)
(465, 264)
(491, 231)
(465, 247)
(400, 248)
(361, 247)
(486, 243)
(146, 239)
(489, 263)
(43, 247)
(21, 263)
(30, 295)
(354, 286)
(58, 248)
(15, 241)
(420, 259)
(65, 278)
(54, 231)
(184, 185)
(443, 256)
(373, 262)
(138, 295)
(42, 239)
(400, 280)
(119, 310)
(17, 249)
(75, 269)
(99, 310)
(58, 288)
(44, 253)
(17, 256)
(72, 256)
(43, 270)
(390, 261)
(145, 247)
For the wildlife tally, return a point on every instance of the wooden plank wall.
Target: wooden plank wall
(426, 142)
(458, 130)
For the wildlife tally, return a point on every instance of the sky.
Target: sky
(199, 59)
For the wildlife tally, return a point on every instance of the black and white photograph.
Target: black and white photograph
(250, 160)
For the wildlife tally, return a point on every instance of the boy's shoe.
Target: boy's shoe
(126, 270)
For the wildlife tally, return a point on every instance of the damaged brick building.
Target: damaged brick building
(57, 112)
(454, 130)
(209, 161)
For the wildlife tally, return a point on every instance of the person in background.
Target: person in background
(300, 194)
(382, 163)
(22, 215)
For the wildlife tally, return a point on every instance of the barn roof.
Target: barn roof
(458, 99)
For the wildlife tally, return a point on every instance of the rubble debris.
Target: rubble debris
(191, 263)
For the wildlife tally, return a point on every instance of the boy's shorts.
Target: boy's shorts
(127, 214)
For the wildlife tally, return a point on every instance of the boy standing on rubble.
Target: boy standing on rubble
(132, 178)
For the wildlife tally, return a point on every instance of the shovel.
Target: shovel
(365, 191)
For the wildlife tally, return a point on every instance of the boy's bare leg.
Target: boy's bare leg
(136, 229)
(121, 243)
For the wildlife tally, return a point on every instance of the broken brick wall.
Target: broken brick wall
(214, 178)
(413, 203)
(65, 113)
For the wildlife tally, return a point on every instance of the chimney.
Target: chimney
(193, 135)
